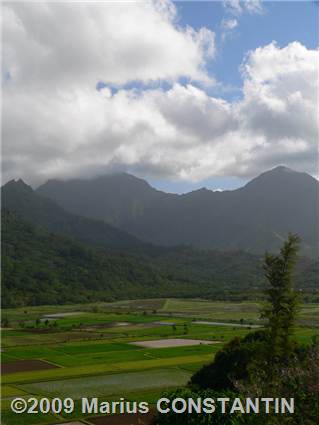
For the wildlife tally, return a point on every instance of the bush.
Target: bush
(231, 363)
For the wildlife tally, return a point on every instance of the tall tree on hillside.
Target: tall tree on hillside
(282, 300)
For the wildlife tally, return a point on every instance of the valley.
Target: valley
(133, 305)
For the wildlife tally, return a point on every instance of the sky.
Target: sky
(185, 94)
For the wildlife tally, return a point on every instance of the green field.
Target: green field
(95, 358)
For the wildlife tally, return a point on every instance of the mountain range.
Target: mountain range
(49, 250)
(254, 218)
(40, 211)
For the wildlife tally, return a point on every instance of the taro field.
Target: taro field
(134, 349)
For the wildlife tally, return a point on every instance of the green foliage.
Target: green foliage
(282, 300)
(299, 380)
(42, 268)
(231, 363)
(269, 362)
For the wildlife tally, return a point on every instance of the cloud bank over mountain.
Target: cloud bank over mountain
(153, 115)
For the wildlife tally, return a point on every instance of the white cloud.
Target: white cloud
(253, 6)
(227, 26)
(55, 124)
(233, 6)
(281, 92)
(66, 44)
(237, 7)
(163, 132)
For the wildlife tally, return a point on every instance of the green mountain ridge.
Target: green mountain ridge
(41, 211)
(39, 267)
(254, 218)
(51, 256)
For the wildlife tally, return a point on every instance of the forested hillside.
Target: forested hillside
(43, 268)
(39, 267)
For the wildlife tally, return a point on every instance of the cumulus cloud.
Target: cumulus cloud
(281, 93)
(55, 124)
(67, 44)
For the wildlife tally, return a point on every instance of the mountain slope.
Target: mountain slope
(113, 198)
(254, 218)
(41, 211)
(41, 268)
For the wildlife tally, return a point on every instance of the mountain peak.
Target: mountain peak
(281, 169)
(17, 184)
(281, 175)
(277, 171)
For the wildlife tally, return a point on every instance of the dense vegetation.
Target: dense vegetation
(43, 268)
(52, 256)
(266, 363)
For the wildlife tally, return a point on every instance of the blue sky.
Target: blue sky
(280, 21)
(157, 89)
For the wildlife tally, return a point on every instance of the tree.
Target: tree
(264, 350)
(282, 300)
